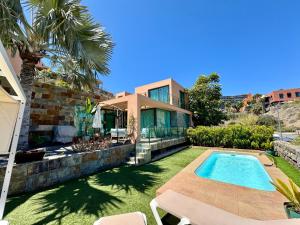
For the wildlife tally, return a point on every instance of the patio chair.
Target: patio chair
(135, 218)
(119, 135)
(191, 211)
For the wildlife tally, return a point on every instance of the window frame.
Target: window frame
(157, 88)
(281, 95)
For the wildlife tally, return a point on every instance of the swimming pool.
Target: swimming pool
(238, 169)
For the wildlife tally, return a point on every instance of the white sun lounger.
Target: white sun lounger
(135, 218)
(191, 211)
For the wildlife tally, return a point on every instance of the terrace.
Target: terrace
(120, 190)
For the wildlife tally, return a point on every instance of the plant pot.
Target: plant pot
(29, 156)
(290, 211)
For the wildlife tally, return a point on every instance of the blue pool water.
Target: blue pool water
(238, 169)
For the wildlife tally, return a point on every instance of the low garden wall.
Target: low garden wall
(33, 176)
(289, 152)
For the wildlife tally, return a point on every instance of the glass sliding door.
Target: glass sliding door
(148, 123)
(163, 122)
(147, 118)
(183, 120)
(163, 118)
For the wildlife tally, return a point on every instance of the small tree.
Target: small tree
(132, 128)
(205, 100)
(256, 105)
(237, 106)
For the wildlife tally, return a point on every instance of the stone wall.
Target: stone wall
(33, 176)
(53, 105)
(288, 151)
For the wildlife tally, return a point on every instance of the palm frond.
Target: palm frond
(13, 24)
(67, 25)
(292, 193)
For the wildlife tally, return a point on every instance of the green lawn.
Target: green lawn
(115, 191)
(291, 171)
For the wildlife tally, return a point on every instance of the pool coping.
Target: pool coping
(260, 164)
(243, 201)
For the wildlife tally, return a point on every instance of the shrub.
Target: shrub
(267, 120)
(232, 136)
(247, 119)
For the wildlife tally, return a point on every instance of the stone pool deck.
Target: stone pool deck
(242, 201)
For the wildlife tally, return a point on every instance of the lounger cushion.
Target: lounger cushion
(200, 213)
(134, 218)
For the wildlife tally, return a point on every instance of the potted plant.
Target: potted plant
(292, 193)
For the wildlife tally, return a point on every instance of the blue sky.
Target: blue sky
(254, 45)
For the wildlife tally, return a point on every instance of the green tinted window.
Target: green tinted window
(163, 118)
(160, 94)
(182, 99)
(147, 118)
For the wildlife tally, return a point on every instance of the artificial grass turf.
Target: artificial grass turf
(82, 201)
(291, 171)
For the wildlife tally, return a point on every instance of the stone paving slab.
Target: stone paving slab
(243, 201)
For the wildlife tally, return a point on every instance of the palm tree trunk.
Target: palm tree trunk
(27, 77)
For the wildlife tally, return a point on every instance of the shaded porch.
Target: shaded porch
(147, 118)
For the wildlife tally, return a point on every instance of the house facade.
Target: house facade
(283, 95)
(159, 109)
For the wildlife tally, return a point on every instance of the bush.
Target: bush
(232, 136)
(267, 120)
(247, 119)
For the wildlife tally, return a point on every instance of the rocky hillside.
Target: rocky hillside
(289, 114)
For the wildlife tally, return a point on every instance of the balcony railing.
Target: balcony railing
(152, 134)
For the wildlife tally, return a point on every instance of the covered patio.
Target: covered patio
(135, 104)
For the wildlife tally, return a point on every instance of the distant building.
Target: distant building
(245, 98)
(282, 95)
(234, 98)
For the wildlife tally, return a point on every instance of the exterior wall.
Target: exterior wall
(175, 96)
(133, 103)
(144, 150)
(174, 89)
(33, 176)
(52, 105)
(122, 94)
(274, 96)
(143, 90)
(289, 152)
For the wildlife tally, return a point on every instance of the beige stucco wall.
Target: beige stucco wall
(175, 88)
(135, 102)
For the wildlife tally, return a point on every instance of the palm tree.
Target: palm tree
(61, 30)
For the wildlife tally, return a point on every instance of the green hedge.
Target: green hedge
(232, 136)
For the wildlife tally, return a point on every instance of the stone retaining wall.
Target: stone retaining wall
(54, 105)
(288, 151)
(33, 176)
